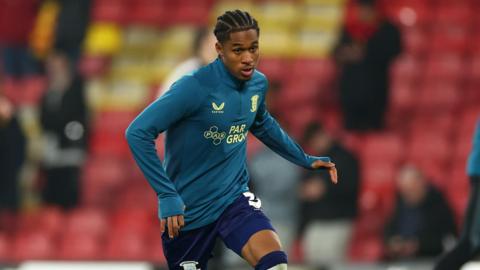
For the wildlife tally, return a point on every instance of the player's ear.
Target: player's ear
(219, 49)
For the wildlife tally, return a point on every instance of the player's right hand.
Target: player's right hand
(174, 224)
(330, 166)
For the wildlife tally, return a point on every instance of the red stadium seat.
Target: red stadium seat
(473, 67)
(468, 121)
(446, 67)
(450, 38)
(379, 178)
(431, 151)
(438, 96)
(25, 91)
(150, 12)
(377, 202)
(134, 219)
(126, 246)
(49, 220)
(387, 147)
(33, 245)
(406, 69)
(12, 89)
(297, 93)
(276, 69)
(191, 12)
(366, 250)
(101, 177)
(33, 89)
(298, 118)
(110, 11)
(137, 195)
(410, 13)
(416, 40)
(455, 13)
(458, 201)
(93, 66)
(443, 123)
(86, 221)
(155, 250)
(322, 71)
(403, 97)
(5, 247)
(80, 246)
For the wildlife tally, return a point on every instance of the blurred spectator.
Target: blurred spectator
(63, 117)
(275, 181)
(72, 23)
(422, 220)
(16, 22)
(12, 156)
(365, 51)
(469, 245)
(203, 53)
(328, 210)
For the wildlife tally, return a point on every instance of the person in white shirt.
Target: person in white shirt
(204, 53)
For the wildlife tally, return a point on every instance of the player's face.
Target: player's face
(240, 53)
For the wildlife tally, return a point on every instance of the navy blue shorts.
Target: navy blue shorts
(235, 226)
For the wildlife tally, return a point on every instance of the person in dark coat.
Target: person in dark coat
(64, 120)
(12, 156)
(364, 53)
(327, 211)
(72, 23)
(422, 220)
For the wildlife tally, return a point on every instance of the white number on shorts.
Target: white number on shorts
(253, 200)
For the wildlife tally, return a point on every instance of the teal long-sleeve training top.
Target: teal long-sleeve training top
(206, 117)
(473, 167)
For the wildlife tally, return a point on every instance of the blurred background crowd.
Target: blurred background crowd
(389, 89)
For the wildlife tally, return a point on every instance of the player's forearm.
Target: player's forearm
(145, 154)
(273, 136)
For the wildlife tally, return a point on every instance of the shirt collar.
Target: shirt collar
(227, 76)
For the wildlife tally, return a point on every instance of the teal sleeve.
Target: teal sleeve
(182, 99)
(268, 131)
(473, 166)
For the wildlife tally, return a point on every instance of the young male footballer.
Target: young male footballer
(202, 185)
(468, 245)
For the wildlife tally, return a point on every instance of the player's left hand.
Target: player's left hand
(330, 166)
(173, 224)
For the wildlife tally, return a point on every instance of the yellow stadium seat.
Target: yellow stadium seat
(279, 14)
(116, 94)
(140, 39)
(322, 17)
(176, 41)
(103, 39)
(277, 43)
(223, 6)
(317, 44)
(161, 66)
(328, 2)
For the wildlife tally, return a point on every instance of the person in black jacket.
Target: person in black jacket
(364, 53)
(326, 210)
(12, 156)
(422, 220)
(63, 118)
(72, 23)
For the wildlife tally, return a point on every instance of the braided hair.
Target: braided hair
(234, 21)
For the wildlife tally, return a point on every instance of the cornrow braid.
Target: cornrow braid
(234, 21)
